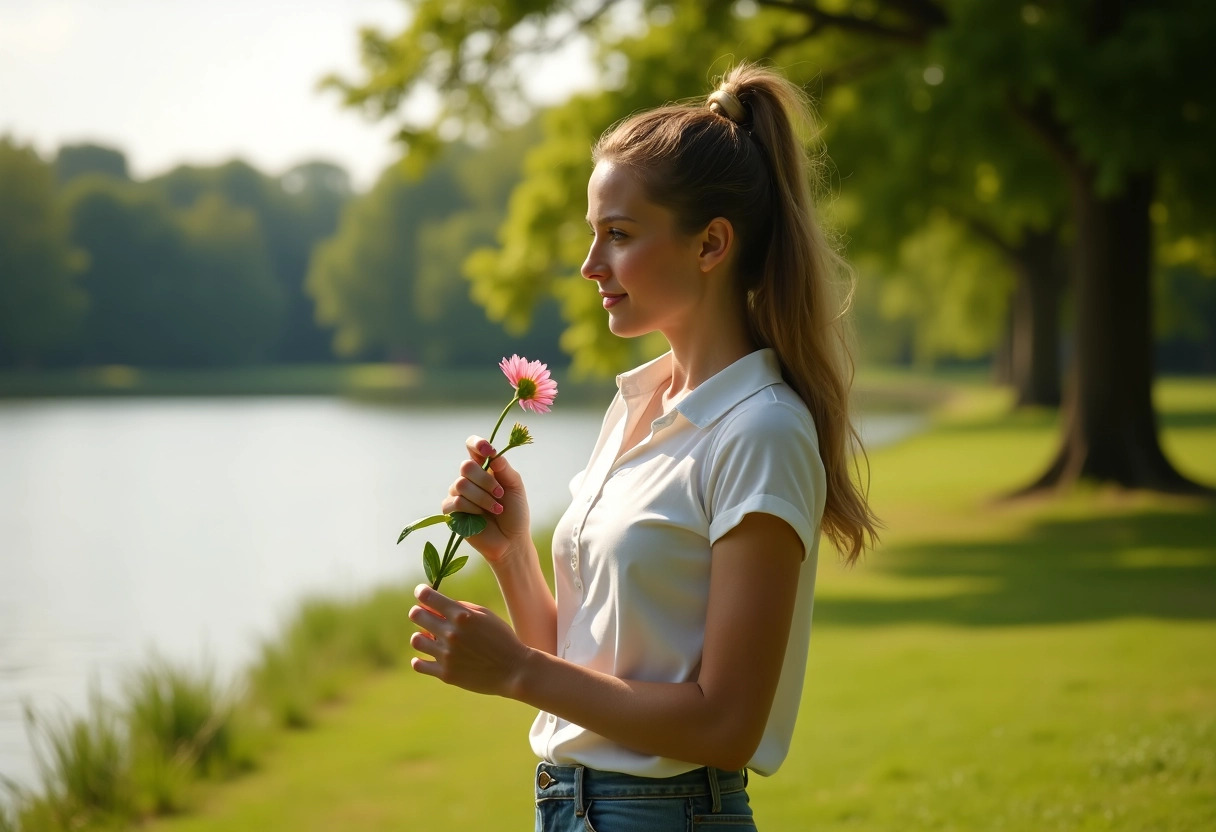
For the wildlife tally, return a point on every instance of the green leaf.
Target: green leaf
(466, 525)
(423, 523)
(430, 561)
(456, 565)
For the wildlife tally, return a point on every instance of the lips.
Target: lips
(611, 300)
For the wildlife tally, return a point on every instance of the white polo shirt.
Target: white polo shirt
(632, 552)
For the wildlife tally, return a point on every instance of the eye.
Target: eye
(614, 234)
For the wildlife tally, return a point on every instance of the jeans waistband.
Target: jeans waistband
(582, 783)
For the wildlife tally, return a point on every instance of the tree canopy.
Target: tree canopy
(1061, 119)
(41, 302)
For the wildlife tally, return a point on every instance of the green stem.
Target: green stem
(505, 411)
(449, 551)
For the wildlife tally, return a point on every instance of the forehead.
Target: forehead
(615, 191)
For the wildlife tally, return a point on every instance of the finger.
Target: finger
(455, 503)
(479, 449)
(425, 643)
(505, 475)
(427, 620)
(424, 667)
(477, 496)
(438, 602)
(471, 471)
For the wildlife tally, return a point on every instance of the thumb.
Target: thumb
(506, 475)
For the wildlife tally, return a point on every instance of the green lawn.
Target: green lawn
(995, 665)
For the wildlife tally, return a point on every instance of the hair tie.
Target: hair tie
(727, 104)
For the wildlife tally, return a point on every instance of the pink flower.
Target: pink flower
(533, 387)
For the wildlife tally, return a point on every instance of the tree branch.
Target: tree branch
(580, 24)
(925, 12)
(821, 19)
(1042, 121)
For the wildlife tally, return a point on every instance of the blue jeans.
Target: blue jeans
(579, 799)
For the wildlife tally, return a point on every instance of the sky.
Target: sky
(186, 81)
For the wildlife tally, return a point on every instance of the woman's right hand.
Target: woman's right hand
(498, 494)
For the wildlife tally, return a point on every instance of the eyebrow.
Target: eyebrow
(612, 218)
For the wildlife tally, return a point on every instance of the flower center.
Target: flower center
(526, 389)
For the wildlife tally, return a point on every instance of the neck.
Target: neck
(702, 350)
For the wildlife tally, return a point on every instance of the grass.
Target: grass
(996, 665)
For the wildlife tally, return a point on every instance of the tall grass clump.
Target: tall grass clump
(181, 728)
(323, 647)
(83, 767)
(121, 763)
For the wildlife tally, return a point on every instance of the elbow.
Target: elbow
(734, 746)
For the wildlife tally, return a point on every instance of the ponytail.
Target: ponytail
(741, 156)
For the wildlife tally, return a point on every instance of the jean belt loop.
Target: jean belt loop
(744, 773)
(580, 808)
(715, 790)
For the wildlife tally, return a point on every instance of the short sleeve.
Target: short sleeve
(766, 460)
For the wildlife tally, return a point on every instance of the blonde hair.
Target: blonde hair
(748, 164)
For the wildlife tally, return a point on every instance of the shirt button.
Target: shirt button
(578, 584)
(551, 717)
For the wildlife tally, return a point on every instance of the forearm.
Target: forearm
(529, 601)
(683, 721)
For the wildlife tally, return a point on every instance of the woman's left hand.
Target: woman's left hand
(470, 647)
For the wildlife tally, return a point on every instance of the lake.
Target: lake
(193, 527)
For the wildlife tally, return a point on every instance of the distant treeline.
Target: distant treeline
(226, 265)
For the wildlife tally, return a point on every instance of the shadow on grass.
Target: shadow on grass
(1147, 564)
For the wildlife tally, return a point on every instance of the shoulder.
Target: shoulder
(773, 415)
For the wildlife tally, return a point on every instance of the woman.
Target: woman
(672, 659)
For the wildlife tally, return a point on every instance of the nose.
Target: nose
(593, 266)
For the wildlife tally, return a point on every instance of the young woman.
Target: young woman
(672, 660)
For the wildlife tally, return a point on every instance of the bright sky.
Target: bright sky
(203, 81)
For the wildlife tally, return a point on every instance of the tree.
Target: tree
(76, 160)
(390, 280)
(41, 304)
(294, 213)
(169, 288)
(947, 150)
(1116, 94)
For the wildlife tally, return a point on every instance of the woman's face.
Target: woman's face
(647, 269)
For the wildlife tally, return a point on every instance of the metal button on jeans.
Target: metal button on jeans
(544, 780)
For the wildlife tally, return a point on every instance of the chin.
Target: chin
(622, 329)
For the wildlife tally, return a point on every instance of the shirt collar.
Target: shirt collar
(717, 395)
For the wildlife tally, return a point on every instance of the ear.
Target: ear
(717, 242)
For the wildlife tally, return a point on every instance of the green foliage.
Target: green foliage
(76, 160)
(953, 289)
(179, 716)
(974, 109)
(41, 304)
(171, 288)
(390, 280)
(84, 766)
(294, 212)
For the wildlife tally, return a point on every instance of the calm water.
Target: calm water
(193, 527)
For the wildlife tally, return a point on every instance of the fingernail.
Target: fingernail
(498, 492)
(485, 449)
(497, 508)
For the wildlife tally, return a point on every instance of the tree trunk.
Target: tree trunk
(1034, 344)
(1110, 427)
